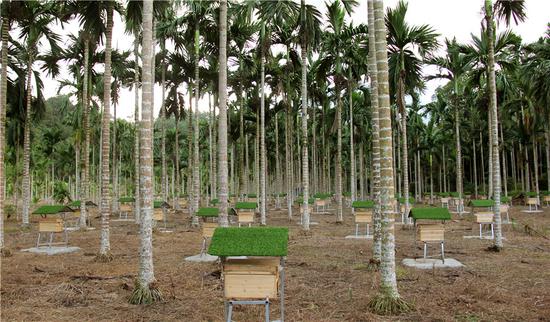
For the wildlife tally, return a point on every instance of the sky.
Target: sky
(450, 18)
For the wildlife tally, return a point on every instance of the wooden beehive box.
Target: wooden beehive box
(208, 229)
(245, 216)
(252, 278)
(320, 202)
(484, 217)
(157, 214)
(504, 208)
(252, 199)
(125, 207)
(532, 201)
(431, 232)
(363, 216)
(50, 225)
(547, 198)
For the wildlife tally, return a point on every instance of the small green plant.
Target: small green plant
(61, 192)
(9, 210)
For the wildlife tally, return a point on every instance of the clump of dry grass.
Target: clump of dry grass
(69, 295)
(104, 258)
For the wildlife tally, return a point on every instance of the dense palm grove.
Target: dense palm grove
(301, 104)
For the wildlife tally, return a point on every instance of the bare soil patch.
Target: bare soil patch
(327, 277)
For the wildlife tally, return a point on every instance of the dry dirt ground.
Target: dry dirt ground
(327, 278)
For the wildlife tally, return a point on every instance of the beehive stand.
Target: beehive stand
(55, 224)
(209, 222)
(126, 207)
(257, 275)
(533, 204)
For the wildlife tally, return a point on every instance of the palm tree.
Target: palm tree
(388, 300)
(105, 200)
(405, 70)
(373, 73)
(281, 13)
(332, 63)
(35, 21)
(453, 66)
(309, 34)
(145, 291)
(504, 10)
(3, 105)
(222, 118)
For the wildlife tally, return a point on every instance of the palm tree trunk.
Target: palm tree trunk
(222, 118)
(547, 149)
(288, 158)
(105, 204)
(475, 166)
(278, 188)
(491, 179)
(458, 159)
(85, 156)
(338, 165)
(164, 176)
(373, 73)
(535, 167)
(26, 184)
(145, 291)
(196, 158)
(190, 155)
(361, 173)
(504, 167)
(210, 149)
(405, 164)
(114, 160)
(262, 136)
(494, 126)
(444, 171)
(353, 181)
(137, 199)
(305, 158)
(482, 164)
(388, 288)
(3, 106)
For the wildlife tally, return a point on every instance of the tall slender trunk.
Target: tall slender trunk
(535, 167)
(85, 155)
(475, 165)
(353, 181)
(288, 159)
(164, 175)
(547, 149)
(137, 199)
(305, 159)
(190, 155)
(196, 158)
(482, 164)
(338, 165)
(361, 173)
(373, 73)
(210, 147)
(444, 170)
(491, 181)
(222, 118)
(114, 164)
(262, 195)
(146, 277)
(504, 167)
(494, 126)
(105, 204)
(278, 184)
(26, 183)
(405, 164)
(458, 157)
(388, 287)
(3, 106)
